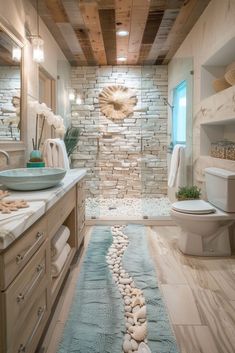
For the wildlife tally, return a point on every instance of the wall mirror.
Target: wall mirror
(10, 86)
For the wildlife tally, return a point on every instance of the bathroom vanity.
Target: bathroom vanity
(28, 290)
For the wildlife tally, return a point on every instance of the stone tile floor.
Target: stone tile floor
(128, 207)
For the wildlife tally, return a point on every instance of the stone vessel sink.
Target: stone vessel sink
(26, 179)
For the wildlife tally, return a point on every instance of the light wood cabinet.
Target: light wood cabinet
(28, 290)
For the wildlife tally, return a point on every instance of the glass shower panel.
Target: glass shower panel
(154, 142)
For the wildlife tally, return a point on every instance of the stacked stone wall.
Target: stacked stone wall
(126, 158)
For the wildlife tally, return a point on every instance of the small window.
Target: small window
(179, 114)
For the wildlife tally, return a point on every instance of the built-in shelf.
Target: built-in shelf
(212, 132)
(215, 66)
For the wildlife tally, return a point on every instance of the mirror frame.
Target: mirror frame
(20, 41)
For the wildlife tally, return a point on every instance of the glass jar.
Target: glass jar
(230, 151)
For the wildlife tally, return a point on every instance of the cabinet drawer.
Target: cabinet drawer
(60, 211)
(15, 258)
(24, 290)
(28, 335)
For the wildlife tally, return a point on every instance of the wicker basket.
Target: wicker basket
(220, 84)
(230, 74)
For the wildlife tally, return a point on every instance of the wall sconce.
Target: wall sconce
(16, 53)
(78, 99)
(38, 49)
(37, 43)
(72, 94)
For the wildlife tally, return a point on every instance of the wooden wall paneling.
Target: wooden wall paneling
(158, 47)
(46, 15)
(184, 22)
(123, 10)
(107, 22)
(57, 11)
(139, 17)
(152, 26)
(72, 41)
(85, 45)
(91, 19)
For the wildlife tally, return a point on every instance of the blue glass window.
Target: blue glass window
(179, 114)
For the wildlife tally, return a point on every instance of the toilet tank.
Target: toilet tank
(220, 187)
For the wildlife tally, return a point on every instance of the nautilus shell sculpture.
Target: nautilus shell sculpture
(117, 102)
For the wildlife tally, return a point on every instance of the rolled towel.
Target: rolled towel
(55, 154)
(59, 240)
(57, 265)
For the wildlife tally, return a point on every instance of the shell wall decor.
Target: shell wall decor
(117, 102)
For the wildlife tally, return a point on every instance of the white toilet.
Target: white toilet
(205, 225)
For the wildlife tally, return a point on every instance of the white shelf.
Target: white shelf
(214, 67)
(216, 131)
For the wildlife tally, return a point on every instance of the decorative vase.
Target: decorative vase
(36, 156)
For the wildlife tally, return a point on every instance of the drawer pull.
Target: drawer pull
(22, 296)
(23, 348)
(20, 257)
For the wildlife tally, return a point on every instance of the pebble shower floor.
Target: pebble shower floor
(127, 207)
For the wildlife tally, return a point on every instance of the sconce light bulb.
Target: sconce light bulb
(78, 100)
(38, 50)
(71, 96)
(16, 54)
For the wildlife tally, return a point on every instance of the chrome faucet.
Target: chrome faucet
(6, 155)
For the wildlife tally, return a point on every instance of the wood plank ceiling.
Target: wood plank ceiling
(86, 30)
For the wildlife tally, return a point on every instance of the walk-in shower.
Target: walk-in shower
(125, 156)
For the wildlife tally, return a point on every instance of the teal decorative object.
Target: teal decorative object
(35, 164)
(96, 322)
(36, 156)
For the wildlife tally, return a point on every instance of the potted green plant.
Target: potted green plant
(71, 138)
(188, 193)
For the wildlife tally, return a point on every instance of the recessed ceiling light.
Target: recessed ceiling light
(122, 33)
(122, 58)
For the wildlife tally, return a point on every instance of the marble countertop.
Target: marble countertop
(14, 224)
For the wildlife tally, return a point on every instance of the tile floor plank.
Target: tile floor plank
(181, 304)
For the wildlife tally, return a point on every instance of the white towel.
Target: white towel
(178, 152)
(55, 154)
(57, 265)
(59, 240)
(181, 174)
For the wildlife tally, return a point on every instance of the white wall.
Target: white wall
(20, 14)
(213, 30)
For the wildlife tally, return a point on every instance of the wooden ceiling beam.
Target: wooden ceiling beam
(123, 11)
(139, 15)
(90, 14)
(185, 21)
(158, 46)
(107, 22)
(57, 11)
(47, 16)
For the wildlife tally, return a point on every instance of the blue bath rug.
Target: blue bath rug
(96, 321)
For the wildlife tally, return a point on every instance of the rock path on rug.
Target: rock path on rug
(134, 302)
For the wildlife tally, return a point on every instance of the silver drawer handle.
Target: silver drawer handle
(22, 296)
(21, 257)
(23, 348)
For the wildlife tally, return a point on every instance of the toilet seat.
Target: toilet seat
(197, 207)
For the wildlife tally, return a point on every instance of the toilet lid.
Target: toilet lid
(193, 207)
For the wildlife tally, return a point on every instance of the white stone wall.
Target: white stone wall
(124, 158)
(212, 32)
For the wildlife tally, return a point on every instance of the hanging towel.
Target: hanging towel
(181, 174)
(57, 265)
(178, 152)
(55, 155)
(59, 240)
